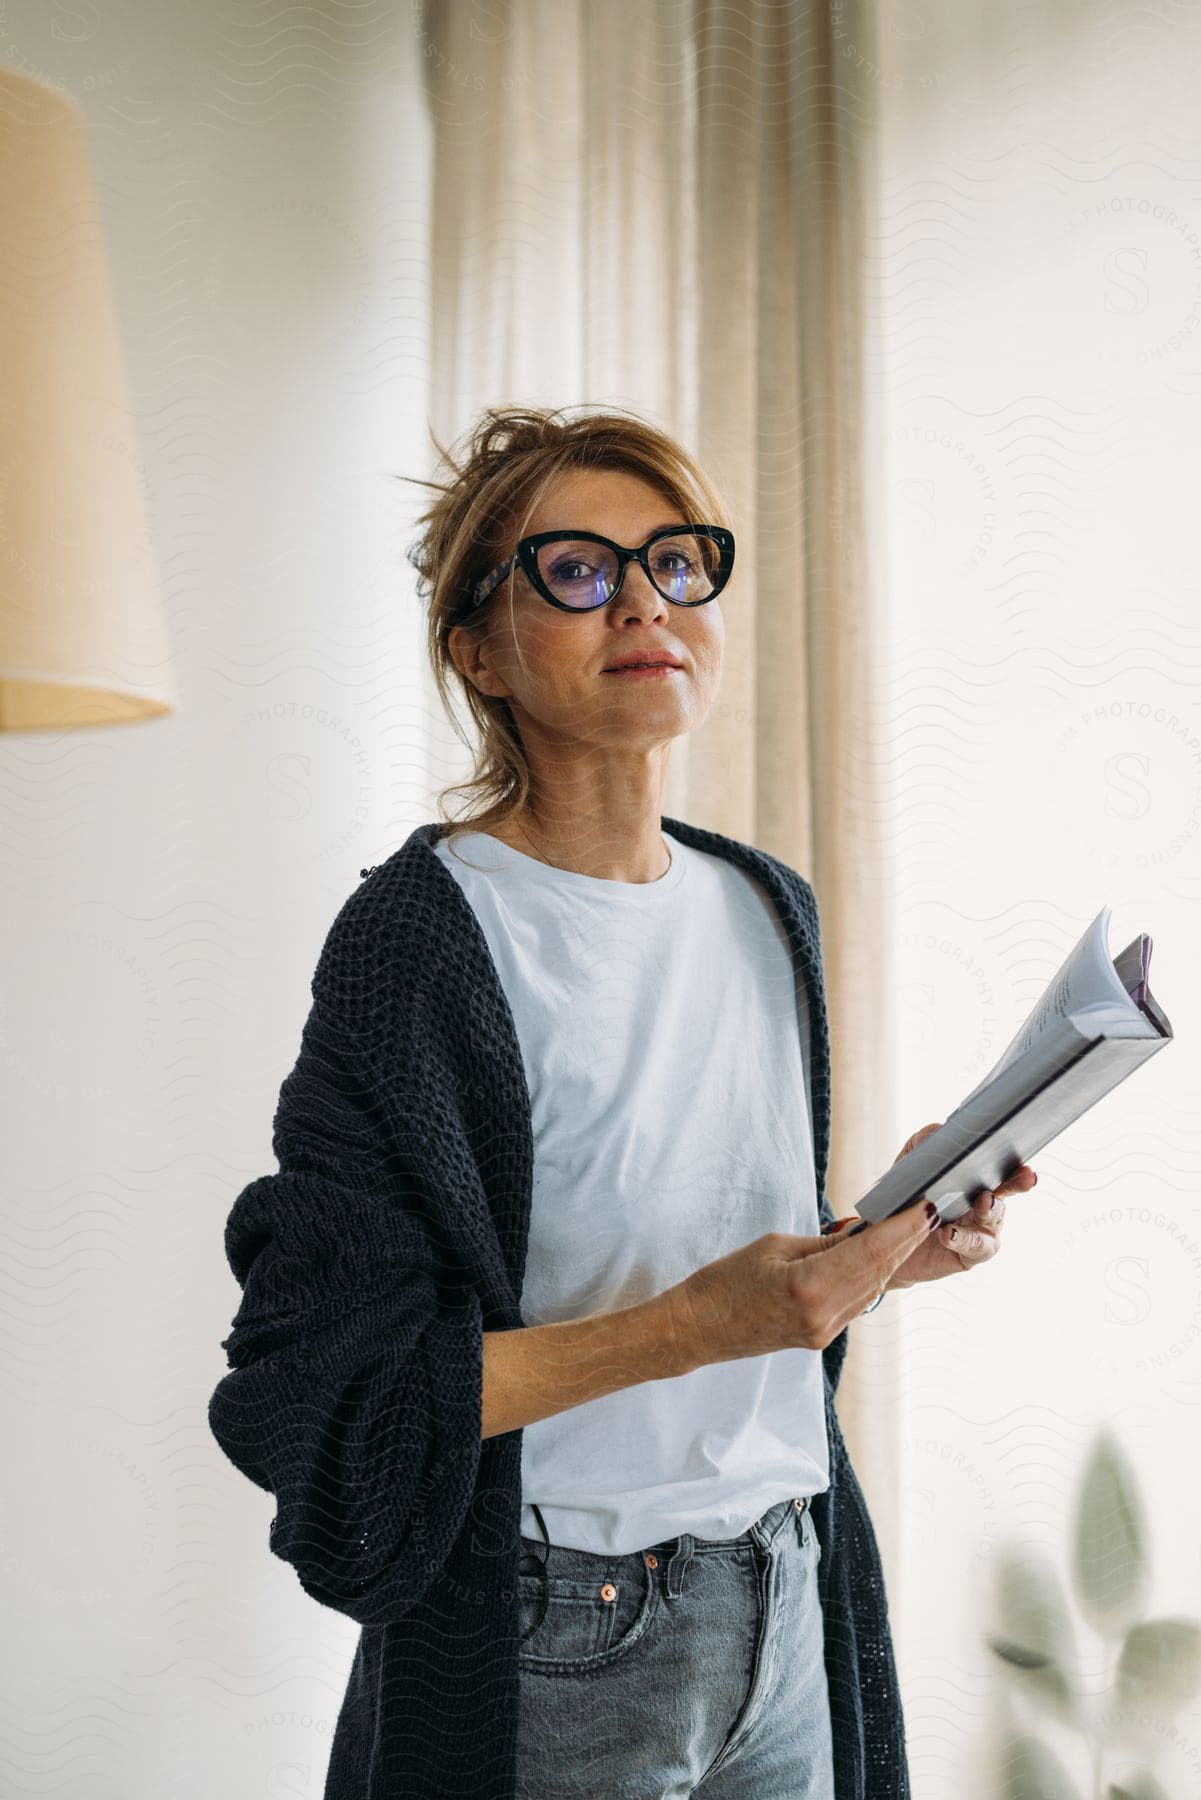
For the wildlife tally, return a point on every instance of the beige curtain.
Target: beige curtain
(660, 204)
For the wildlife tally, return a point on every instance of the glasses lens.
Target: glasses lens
(583, 574)
(685, 567)
(577, 572)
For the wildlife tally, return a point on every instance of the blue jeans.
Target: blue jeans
(694, 1667)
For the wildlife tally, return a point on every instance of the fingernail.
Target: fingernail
(861, 1226)
(932, 1214)
(952, 1234)
(992, 1201)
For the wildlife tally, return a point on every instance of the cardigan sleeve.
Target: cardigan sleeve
(355, 1366)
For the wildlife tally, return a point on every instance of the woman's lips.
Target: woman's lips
(647, 669)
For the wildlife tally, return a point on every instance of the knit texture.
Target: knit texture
(393, 1236)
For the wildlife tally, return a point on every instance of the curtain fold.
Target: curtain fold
(660, 203)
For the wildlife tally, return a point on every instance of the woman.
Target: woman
(566, 1447)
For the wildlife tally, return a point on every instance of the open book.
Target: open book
(1094, 1024)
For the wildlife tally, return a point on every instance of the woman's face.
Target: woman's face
(554, 667)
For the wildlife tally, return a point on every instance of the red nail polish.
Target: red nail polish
(932, 1213)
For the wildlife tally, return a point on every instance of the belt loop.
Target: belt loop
(680, 1559)
(803, 1520)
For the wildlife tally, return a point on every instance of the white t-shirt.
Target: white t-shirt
(664, 1035)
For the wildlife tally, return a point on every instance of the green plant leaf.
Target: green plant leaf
(1109, 1567)
(1140, 1786)
(1159, 1666)
(1034, 1630)
(1032, 1771)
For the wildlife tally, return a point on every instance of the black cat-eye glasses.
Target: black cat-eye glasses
(577, 571)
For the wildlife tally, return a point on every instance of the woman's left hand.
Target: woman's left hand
(977, 1234)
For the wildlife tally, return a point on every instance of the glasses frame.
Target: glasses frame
(527, 555)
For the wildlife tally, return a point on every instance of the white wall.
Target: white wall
(1036, 364)
(263, 180)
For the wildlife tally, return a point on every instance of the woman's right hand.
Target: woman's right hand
(788, 1293)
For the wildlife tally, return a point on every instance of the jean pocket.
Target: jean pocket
(588, 1620)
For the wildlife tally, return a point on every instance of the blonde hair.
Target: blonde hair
(507, 462)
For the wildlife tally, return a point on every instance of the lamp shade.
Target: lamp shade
(83, 639)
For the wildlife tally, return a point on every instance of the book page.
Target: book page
(1086, 982)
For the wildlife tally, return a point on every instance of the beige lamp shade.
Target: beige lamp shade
(83, 640)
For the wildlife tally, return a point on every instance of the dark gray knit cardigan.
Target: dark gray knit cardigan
(392, 1237)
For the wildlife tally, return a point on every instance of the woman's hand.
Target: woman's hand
(783, 1292)
(964, 1242)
